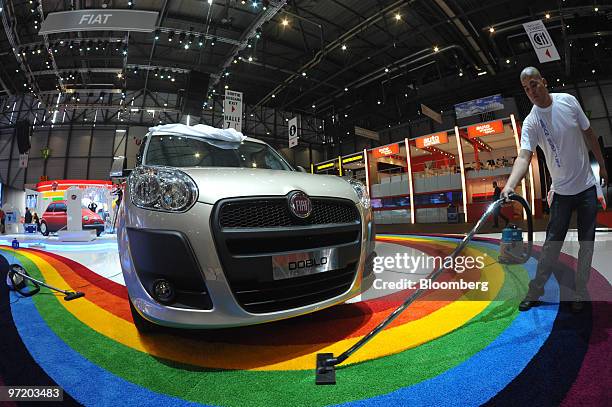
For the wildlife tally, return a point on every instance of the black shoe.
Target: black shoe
(526, 305)
(577, 306)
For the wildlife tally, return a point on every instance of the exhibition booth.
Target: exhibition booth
(444, 177)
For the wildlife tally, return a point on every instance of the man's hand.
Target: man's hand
(506, 192)
(603, 175)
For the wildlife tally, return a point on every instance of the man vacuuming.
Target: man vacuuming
(559, 126)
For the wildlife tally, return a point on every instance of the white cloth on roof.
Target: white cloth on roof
(223, 138)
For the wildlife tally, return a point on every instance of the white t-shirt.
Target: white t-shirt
(557, 130)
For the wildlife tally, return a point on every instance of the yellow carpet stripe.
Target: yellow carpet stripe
(290, 357)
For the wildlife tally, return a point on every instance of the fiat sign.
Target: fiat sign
(300, 204)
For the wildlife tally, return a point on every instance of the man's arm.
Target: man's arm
(519, 169)
(593, 144)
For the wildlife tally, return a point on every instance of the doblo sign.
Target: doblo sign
(99, 20)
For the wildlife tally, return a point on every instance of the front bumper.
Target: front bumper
(217, 275)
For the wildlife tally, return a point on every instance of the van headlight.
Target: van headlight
(361, 191)
(162, 189)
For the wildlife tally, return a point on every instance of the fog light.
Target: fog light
(163, 291)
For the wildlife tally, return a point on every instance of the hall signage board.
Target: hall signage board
(99, 20)
(541, 41)
(432, 140)
(485, 129)
(479, 106)
(293, 132)
(385, 151)
(232, 110)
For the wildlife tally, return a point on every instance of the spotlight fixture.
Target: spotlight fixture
(182, 37)
(156, 35)
(191, 38)
(201, 40)
(170, 36)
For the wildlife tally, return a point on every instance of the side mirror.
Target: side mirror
(301, 169)
(118, 170)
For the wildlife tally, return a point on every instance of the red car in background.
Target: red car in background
(55, 219)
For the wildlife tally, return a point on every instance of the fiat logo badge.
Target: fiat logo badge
(300, 204)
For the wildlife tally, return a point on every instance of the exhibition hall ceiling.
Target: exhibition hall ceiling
(313, 56)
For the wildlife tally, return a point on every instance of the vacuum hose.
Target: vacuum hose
(326, 362)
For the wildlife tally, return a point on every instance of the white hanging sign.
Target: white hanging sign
(23, 161)
(232, 110)
(541, 41)
(293, 132)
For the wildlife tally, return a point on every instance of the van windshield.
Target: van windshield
(182, 151)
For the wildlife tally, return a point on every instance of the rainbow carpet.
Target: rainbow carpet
(470, 349)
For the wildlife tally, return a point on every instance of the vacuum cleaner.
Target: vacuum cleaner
(17, 277)
(326, 362)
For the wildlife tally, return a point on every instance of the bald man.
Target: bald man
(559, 126)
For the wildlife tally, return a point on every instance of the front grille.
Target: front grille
(250, 231)
(257, 297)
(261, 213)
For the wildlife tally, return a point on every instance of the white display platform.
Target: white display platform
(76, 236)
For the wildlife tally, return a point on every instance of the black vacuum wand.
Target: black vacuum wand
(326, 362)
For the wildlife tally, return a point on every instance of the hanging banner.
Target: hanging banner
(541, 41)
(385, 151)
(371, 134)
(479, 106)
(485, 129)
(99, 20)
(232, 110)
(432, 140)
(293, 132)
(431, 113)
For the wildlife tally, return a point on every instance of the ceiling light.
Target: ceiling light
(386, 69)
(491, 30)
(273, 95)
(507, 61)
(398, 16)
(250, 59)
(346, 89)
(547, 15)
(436, 49)
(343, 47)
(313, 106)
(596, 9)
(596, 44)
(285, 22)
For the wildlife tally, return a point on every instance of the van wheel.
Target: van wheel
(43, 229)
(143, 325)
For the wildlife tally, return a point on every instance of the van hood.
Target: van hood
(219, 183)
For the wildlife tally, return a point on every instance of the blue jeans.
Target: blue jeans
(585, 205)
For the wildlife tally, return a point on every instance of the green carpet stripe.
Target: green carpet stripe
(288, 387)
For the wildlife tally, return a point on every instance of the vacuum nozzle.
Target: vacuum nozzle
(326, 368)
(74, 296)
